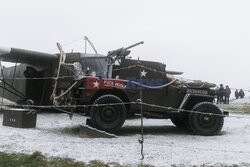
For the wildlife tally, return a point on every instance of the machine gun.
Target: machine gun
(122, 52)
(118, 54)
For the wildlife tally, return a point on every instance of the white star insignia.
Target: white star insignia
(96, 84)
(143, 73)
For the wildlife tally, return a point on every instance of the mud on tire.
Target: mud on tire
(206, 124)
(108, 117)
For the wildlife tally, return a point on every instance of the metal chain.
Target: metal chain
(141, 141)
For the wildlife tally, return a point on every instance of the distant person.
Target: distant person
(227, 94)
(236, 94)
(241, 94)
(221, 93)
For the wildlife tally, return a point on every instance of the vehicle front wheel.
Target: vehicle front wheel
(108, 117)
(206, 124)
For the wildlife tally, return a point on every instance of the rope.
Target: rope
(66, 106)
(62, 77)
(37, 78)
(151, 69)
(151, 87)
(57, 97)
(66, 44)
(138, 102)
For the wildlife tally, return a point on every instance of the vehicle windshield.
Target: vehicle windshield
(94, 65)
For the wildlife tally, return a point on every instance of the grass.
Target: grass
(215, 165)
(35, 160)
(236, 108)
(38, 160)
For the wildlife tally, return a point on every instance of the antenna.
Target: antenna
(90, 43)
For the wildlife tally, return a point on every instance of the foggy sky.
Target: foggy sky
(206, 39)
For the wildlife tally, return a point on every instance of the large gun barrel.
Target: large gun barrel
(25, 56)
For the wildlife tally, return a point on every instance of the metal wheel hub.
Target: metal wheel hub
(206, 121)
(108, 114)
(206, 118)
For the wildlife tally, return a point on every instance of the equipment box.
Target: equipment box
(21, 118)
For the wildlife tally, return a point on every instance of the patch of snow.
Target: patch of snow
(164, 144)
(245, 100)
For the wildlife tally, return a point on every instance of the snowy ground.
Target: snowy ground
(56, 135)
(245, 100)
